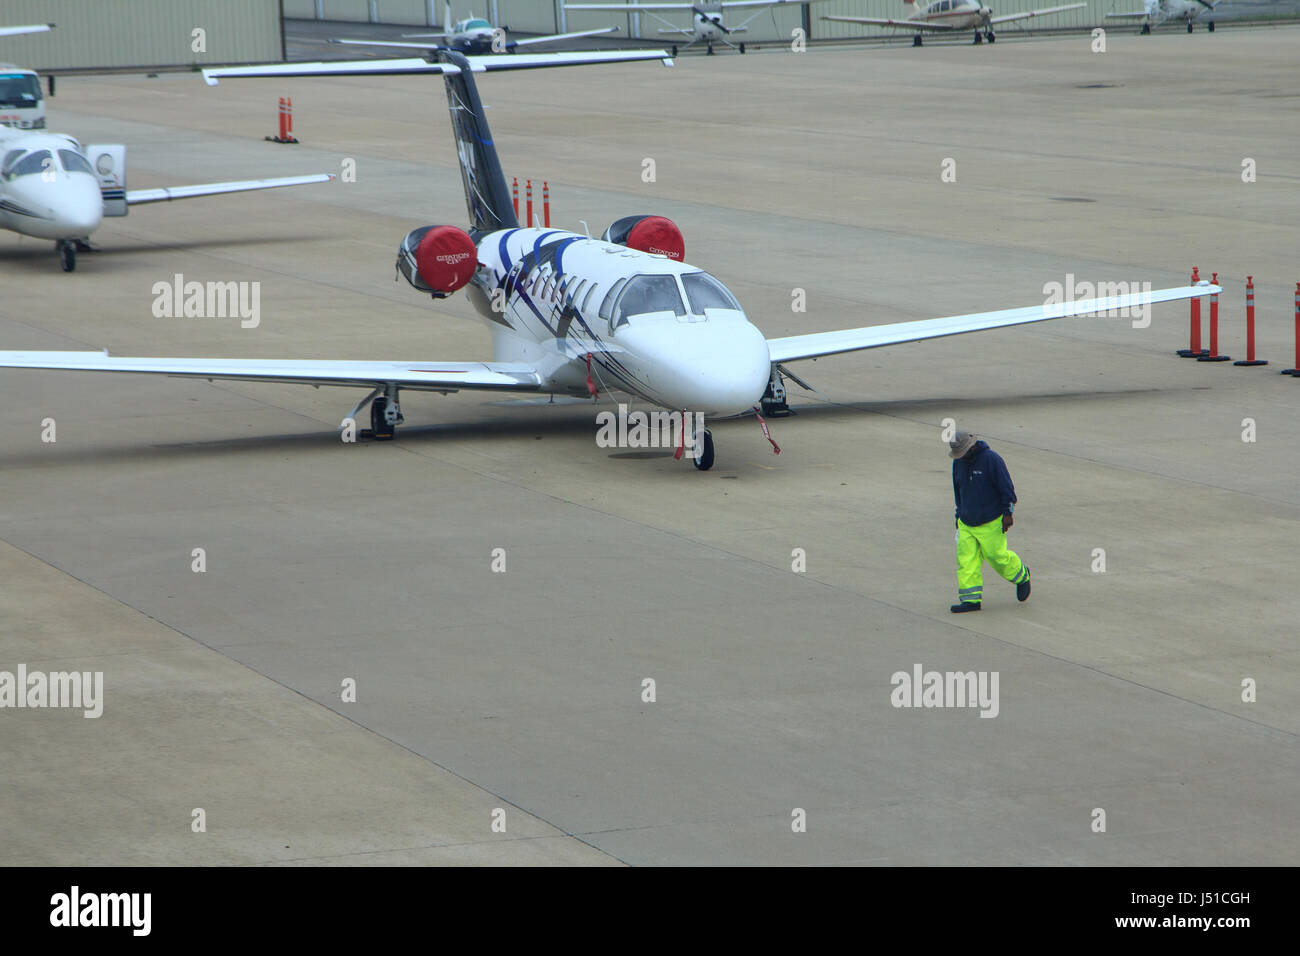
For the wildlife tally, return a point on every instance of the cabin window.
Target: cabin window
(74, 162)
(703, 291)
(646, 294)
(607, 307)
(35, 162)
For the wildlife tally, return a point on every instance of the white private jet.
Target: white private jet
(475, 36)
(947, 16)
(53, 188)
(1157, 12)
(569, 314)
(707, 27)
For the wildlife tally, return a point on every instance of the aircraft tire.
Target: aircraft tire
(704, 460)
(380, 429)
(68, 257)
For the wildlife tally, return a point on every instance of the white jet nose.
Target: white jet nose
(718, 367)
(77, 206)
(70, 207)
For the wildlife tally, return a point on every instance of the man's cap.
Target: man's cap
(961, 443)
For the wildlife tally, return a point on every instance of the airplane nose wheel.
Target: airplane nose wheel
(704, 460)
(991, 37)
(916, 40)
(67, 255)
(1189, 26)
(742, 46)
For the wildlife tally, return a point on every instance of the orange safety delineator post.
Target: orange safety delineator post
(1250, 325)
(528, 194)
(1214, 355)
(286, 123)
(546, 204)
(1296, 371)
(514, 194)
(1194, 349)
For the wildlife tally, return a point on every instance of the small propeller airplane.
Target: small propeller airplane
(707, 27)
(51, 187)
(1157, 12)
(474, 36)
(569, 314)
(947, 16)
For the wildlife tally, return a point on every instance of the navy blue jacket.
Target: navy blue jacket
(981, 486)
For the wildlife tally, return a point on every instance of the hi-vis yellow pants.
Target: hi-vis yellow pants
(985, 542)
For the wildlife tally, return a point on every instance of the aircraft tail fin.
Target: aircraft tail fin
(486, 195)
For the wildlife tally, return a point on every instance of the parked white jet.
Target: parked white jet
(945, 16)
(569, 314)
(707, 28)
(53, 188)
(1158, 11)
(475, 36)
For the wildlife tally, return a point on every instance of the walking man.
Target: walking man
(985, 498)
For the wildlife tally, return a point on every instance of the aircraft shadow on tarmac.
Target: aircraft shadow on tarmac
(37, 255)
(550, 425)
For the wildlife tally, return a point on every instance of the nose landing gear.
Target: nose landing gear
(704, 454)
(67, 250)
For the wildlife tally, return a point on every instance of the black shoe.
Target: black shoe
(1022, 589)
(965, 606)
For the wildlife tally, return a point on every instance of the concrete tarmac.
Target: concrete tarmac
(1122, 690)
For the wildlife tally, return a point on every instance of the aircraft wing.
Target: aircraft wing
(728, 4)
(905, 24)
(33, 28)
(419, 376)
(628, 7)
(168, 193)
(563, 36)
(478, 64)
(1135, 15)
(1026, 14)
(794, 347)
(407, 46)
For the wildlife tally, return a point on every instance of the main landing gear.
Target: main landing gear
(916, 39)
(385, 413)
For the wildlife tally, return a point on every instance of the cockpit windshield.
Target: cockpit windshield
(37, 161)
(476, 25)
(19, 91)
(644, 294)
(703, 291)
(74, 162)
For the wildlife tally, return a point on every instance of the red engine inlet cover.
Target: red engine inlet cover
(446, 258)
(658, 235)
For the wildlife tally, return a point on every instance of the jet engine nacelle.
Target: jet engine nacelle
(437, 259)
(653, 234)
(110, 169)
